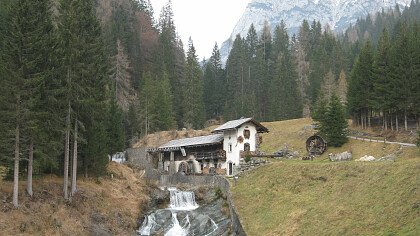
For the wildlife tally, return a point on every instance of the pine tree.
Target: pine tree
(170, 55)
(214, 85)
(264, 62)
(301, 53)
(382, 99)
(342, 87)
(234, 80)
(360, 85)
(121, 76)
(84, 66)
(336, 123)
(284, 100)
(331, 121)
(26, 44)
(162, 108)
(193, 92)
(115, 128)
(146, 103)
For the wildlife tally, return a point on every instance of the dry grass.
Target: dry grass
(318, 197)
(101, 205)
(295, 132)
(315, 198)
(162, 137)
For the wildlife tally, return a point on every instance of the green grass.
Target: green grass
(316, 198)
(295, 132)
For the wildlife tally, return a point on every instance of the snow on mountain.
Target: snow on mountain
(338, 14)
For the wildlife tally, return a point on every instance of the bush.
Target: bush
(247, 157)
(219, 193)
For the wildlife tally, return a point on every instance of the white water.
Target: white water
(182, 200)
(179, 201)
(177, 229)
(147, 225)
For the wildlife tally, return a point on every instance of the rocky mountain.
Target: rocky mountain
(338, 14)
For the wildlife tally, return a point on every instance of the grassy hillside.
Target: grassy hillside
(313, 198)
(295, 197)
(103, 206)
(295, 132)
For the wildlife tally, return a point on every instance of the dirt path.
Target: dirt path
(382, 141)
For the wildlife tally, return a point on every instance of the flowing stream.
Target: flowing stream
(185, 217)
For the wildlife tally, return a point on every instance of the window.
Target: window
(247, 133)
(229, 147)
(247, 147)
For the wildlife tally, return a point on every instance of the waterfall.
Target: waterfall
(182, 200)
(183, 217)
(177, 229)
(147, 226)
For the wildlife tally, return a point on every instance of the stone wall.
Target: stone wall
(214, 181)
(140, 158)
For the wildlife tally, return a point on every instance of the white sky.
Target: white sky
(205, 21)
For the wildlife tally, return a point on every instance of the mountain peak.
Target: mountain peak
(338, 14)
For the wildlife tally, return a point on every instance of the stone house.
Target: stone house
(218, 153)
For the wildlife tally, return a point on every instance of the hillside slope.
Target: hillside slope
(102, 206)
(310, 198)
(295, 132)
(295, 197)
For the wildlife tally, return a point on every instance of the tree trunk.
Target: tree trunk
(16, 168)
(30, 168)
(396, 122)
(385, 122)
(405, 121)
(74, 169)
(369, 115)
(363, 120)
(392, 123)
(66, 155)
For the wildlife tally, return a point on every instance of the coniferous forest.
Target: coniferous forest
(83, 79)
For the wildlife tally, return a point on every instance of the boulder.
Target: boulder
(345, 156)
(367, 158)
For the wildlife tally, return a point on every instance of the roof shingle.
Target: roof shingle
(194, 141)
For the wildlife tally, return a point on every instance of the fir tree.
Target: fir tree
(284, 100)
(214, 85)
(193, 91)
(331, 121)
(162, 108)
(115, 128)
(170, 55)
(84, 65)
(26, 55)
(360, 85)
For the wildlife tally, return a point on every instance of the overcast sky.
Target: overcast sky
(205, 21)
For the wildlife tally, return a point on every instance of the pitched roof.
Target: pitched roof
(195, 141)
(233, 124)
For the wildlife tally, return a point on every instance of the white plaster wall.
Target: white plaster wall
(231, 137)
(252, 136)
